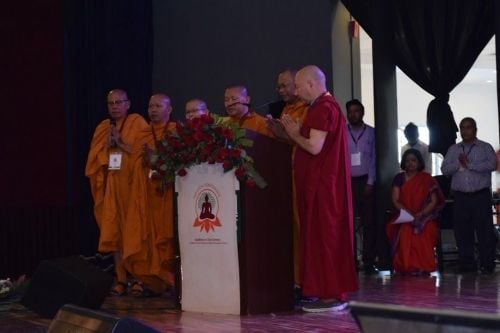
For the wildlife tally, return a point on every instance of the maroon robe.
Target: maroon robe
(325, 205)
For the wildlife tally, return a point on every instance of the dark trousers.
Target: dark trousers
(472, 214)
(363, 207)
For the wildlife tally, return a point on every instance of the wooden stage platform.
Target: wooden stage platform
(469, 291)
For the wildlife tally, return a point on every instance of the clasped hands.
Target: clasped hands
(285, 128)
(463, 160)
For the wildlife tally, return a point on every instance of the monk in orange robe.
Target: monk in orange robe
(296, 108)
(109, 170)
(237, 104)
(148, 251)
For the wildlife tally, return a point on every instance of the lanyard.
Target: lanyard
(470, 149)
(360, 135)
(123, 124)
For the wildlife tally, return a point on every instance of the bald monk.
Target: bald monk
(237, 104)
(195, 108)
(322, 178)
(148, 250)
(296, 108)
(109, 170)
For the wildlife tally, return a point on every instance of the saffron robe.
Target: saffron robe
(148, 249)
(252, 121)
(413, 243)
(325, 205)
(111, 188)
(297, 111)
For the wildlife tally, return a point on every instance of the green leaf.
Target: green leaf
(259, 180)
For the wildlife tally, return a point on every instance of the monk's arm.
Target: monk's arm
(313, 144)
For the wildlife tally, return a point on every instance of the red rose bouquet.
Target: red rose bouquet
(203, 140)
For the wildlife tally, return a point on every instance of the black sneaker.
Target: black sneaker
(370, 270)
(322, 306)
(487, 270)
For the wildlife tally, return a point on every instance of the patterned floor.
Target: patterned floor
(470, 292)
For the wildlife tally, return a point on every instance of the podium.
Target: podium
(236, 242)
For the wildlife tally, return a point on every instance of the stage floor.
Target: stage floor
(469, 291)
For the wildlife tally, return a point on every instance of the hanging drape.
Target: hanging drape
(435, 44)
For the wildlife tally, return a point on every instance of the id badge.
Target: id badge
(356, 159)
(115, 161)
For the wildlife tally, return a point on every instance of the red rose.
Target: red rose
(198, 135)
(223, 153)
(250, 182)
(227, 165)
(227, 133)
(240, 172)
(208, 149)
(235, 153)
(182, 172)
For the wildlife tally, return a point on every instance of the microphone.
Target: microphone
(236, 103)
(266, 104)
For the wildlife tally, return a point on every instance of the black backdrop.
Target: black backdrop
(59, 58)
(203, 46)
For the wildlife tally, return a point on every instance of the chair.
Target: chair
(446, 248)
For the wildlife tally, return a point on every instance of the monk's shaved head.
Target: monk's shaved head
(312, 72)
(310, 83)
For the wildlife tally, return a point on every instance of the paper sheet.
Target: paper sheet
(404, 217)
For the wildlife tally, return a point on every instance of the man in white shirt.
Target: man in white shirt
(411, 134)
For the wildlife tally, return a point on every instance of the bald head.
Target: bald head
(236, 101)
(310, 83)
(159, 108)
(195, 108)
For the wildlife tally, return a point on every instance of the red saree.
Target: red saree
(413, 243)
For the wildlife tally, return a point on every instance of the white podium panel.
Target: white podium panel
(207, 212)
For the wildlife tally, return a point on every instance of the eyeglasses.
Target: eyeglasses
(117, 102)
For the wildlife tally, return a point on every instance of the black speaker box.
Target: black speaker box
(388, 318)
(66, 280)
(74, 319)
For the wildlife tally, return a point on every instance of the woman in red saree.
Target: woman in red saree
(417, 192)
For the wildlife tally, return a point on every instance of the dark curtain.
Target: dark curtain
(436, 43)
(109, 44)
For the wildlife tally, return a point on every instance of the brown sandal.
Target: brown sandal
(139, 289)
(118, 289)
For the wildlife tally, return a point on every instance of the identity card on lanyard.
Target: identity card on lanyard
(115, 160)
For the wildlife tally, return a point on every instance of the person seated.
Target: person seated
(418, 193)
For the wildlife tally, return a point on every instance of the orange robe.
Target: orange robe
(148, 251)
(111, 188)
(252, 121)
(298, 111)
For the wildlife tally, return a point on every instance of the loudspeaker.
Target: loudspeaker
(74, 319)
(374, 318)
(66, 280)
